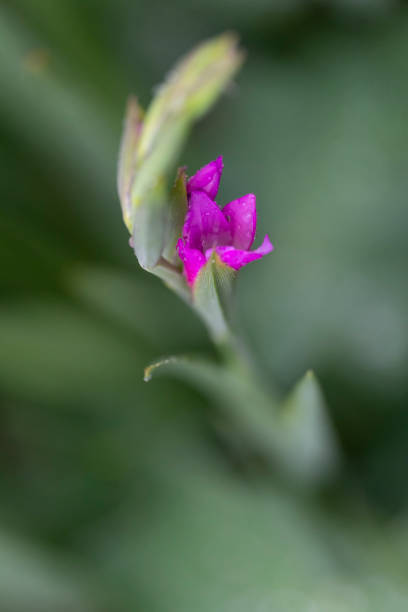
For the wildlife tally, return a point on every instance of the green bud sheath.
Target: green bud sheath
(132, 129)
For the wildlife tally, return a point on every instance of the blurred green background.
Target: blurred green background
(122, 496)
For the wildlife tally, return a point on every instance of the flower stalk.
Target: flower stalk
(196, 246)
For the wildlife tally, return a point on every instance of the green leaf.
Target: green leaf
(32, 580)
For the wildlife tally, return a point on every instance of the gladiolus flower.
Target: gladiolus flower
(229, 231)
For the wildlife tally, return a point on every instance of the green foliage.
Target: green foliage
(192, 492)
(32, 580)
(296, 437)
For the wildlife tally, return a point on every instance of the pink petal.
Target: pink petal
(236, 258)
(241, 214)
(207, 179)
(205, 225)
(192, 259)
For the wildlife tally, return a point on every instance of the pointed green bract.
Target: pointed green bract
(212, 296)
(307, 431)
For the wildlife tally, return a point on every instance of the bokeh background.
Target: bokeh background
(118, 495)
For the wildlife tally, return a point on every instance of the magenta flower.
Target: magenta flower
(230, 231)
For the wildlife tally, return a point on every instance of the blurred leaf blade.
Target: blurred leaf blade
(307, 431)
(32, 580)
(297, 438)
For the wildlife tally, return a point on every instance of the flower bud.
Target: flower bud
(150, 147)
